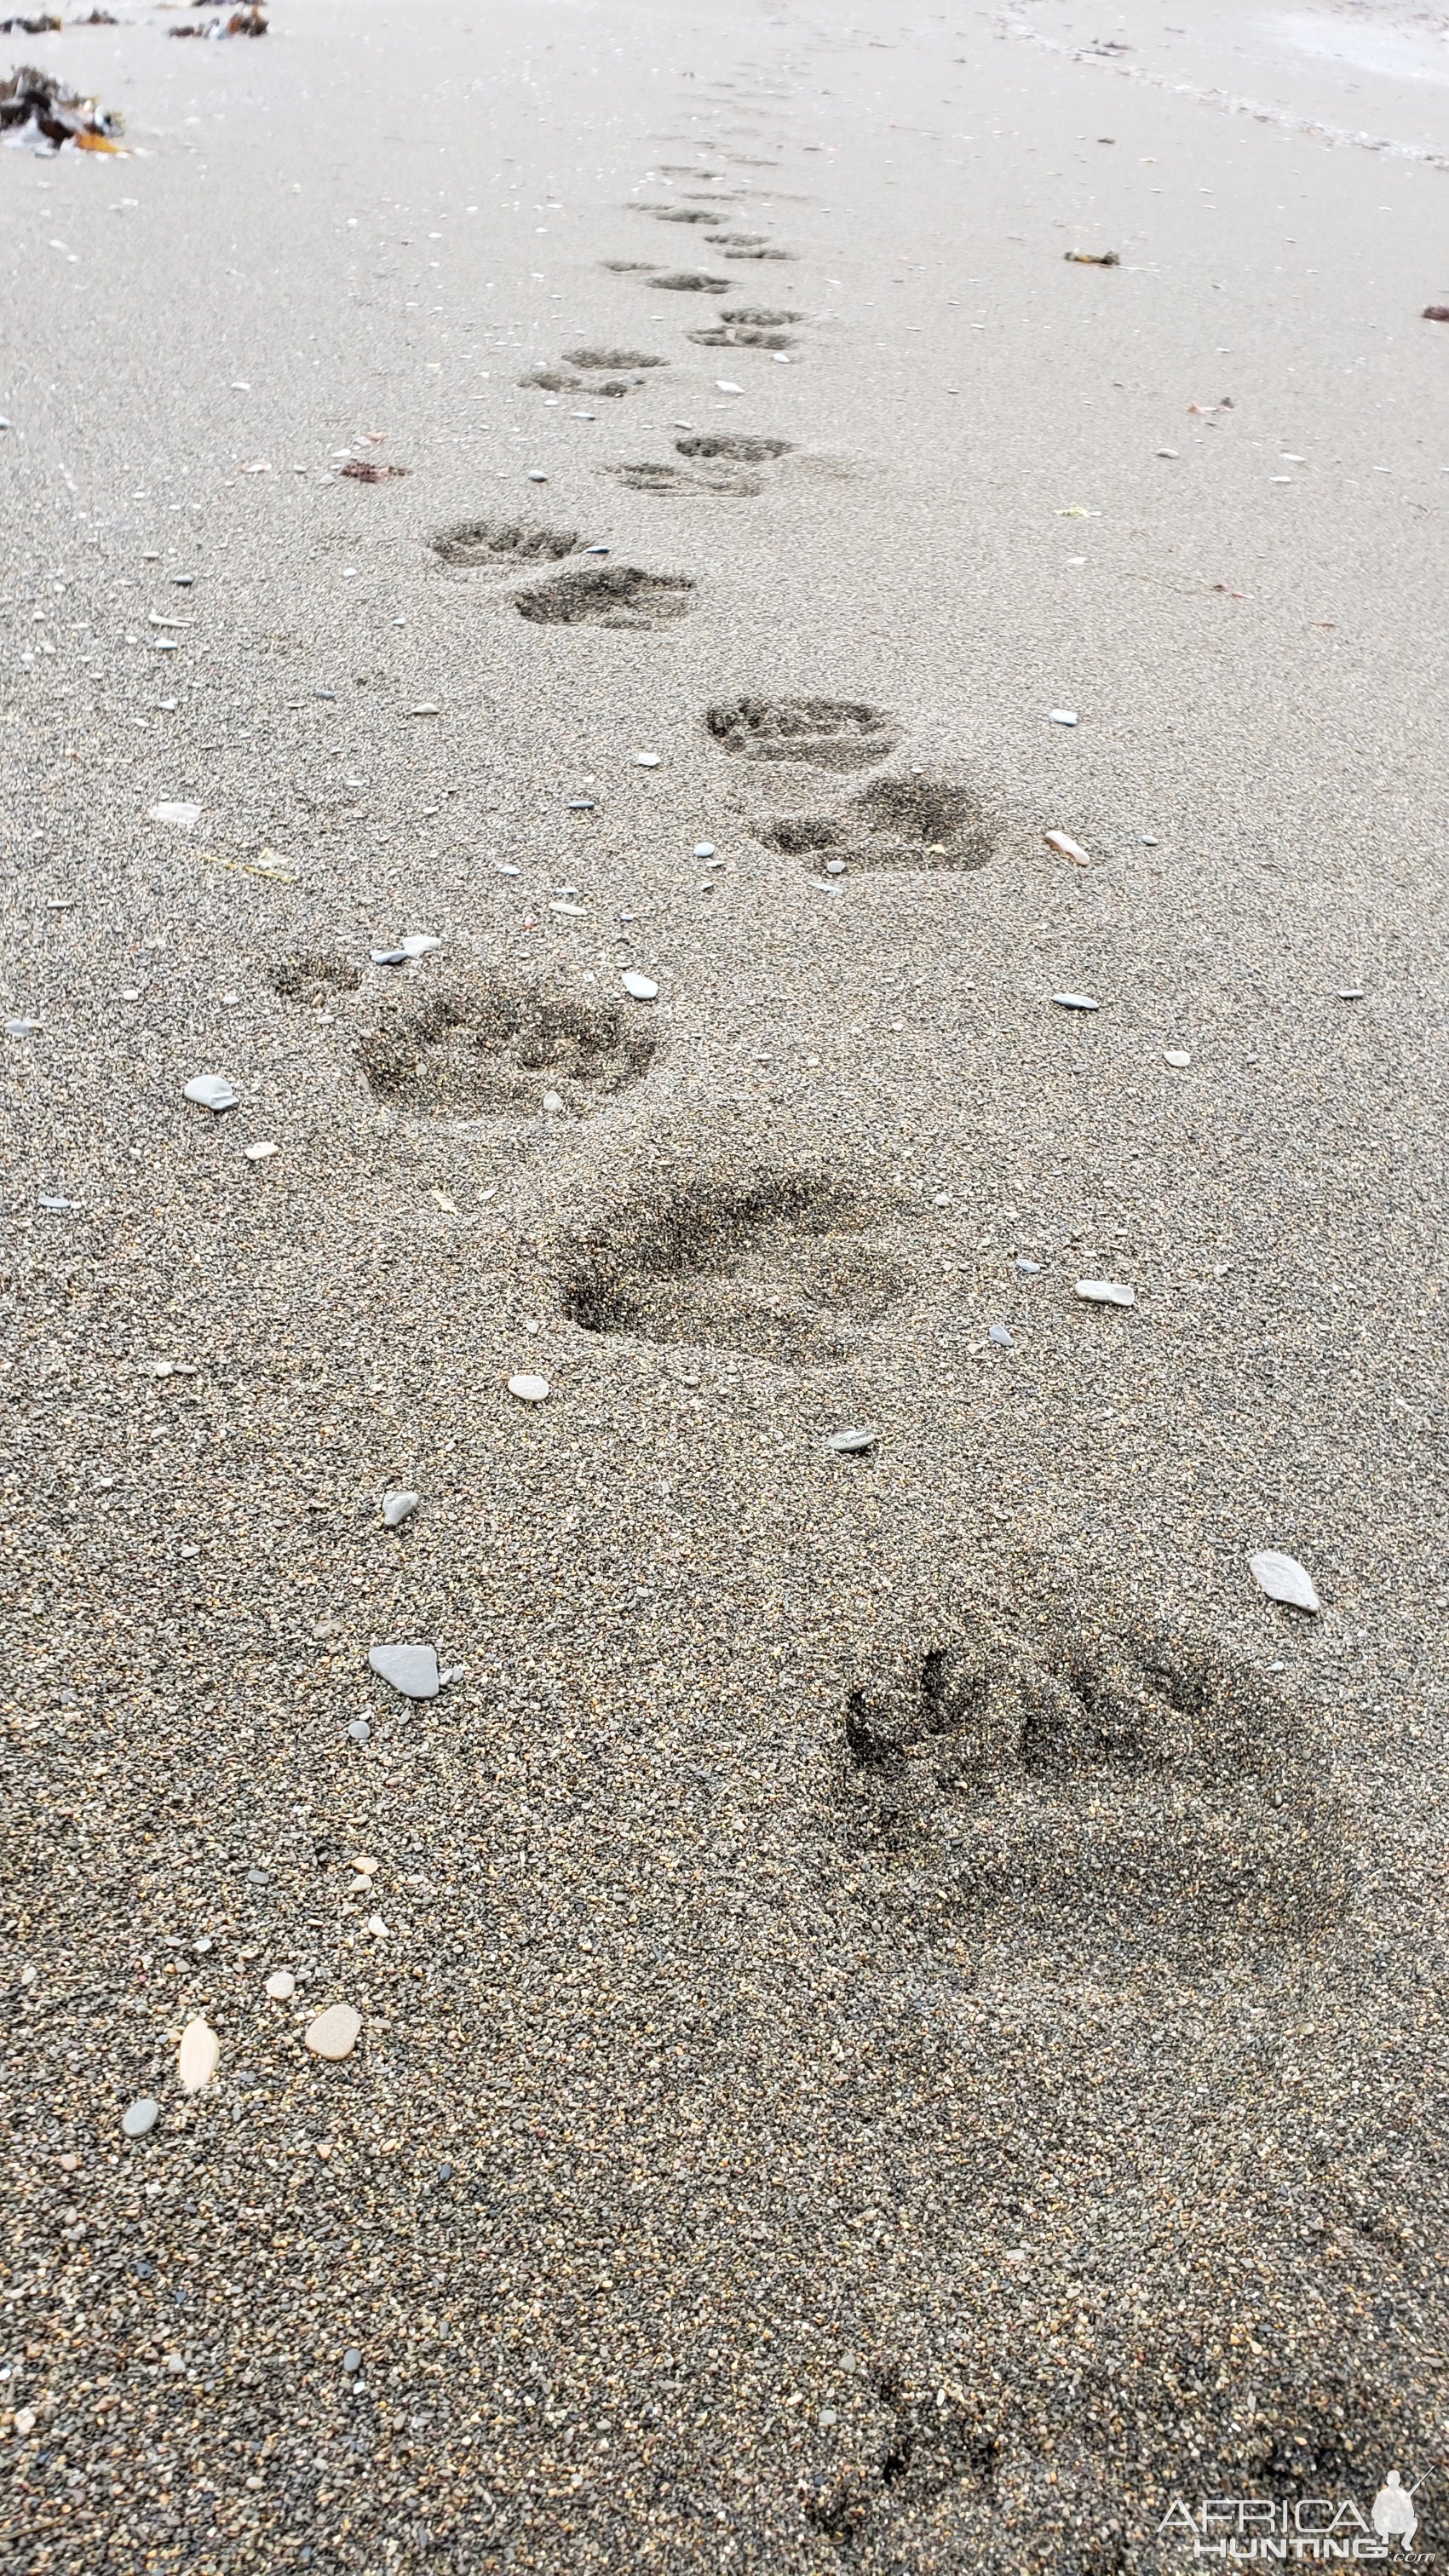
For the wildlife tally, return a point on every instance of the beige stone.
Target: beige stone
(335, 2033)
(196, 2058)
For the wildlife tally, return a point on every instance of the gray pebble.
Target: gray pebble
(398, 1507)
(1001, 1337)
(1028, 1269)
(351, 2360)
(141, 2118)
(211, 1091)
(412, 1670)
(360, 1731)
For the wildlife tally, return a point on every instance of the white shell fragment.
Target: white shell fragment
(141, 2118)
(639, 987)
(1075, 1002)
(1106, 1292)
(1284, 1579)
(419, 943)
(1067, 848)
(335, 2033)
(412, 1670)
(211, 1091)
(281, 1985)
(1178, 1056)
(1063, 715)
(846, 1443)
(261, 1152)
(397, 1507)
(196, 2058)
(185, 817)
(527, 1388)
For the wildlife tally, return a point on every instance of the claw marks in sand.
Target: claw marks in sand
(895, 823)
(779, 1266)
(1086, 1779)
(487, 1049)
(617, 595)
(828, 733)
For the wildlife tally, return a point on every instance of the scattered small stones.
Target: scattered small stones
(527, 1388)
(1284, 1579)
(412, 1670)
(1106, 1292)
(281, 1985)
(197, 2056)
(1075, 1002)
(846, 1444)
(335, 2033)
(140, 2118)
(398, 1507)
(639, 987)
(212, 1091)
(1067, 848)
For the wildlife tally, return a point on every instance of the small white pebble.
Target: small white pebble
(261, 1152)
(1106, 1292)
(281, 1985)
(1176, 1055)
(528, 1389)
(1063, 716)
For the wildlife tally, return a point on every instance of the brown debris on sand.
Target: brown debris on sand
(31, 97)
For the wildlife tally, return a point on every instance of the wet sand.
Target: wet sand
(906, 2028)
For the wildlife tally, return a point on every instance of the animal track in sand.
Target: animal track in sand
(672, 478)
(486, 1049)
(1088, 1775)
(761, 314)
(740, 335)
(774, 1265)
(608, 360)
(691, 281)
(313, 975)
(628, 267)
(617, 595)
(829, 733)
(497, 543)
(745, 246)
(681, 214)
(895, 822)
(929, 2448)
(738, 451)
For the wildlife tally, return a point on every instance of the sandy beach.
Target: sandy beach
(765, 684)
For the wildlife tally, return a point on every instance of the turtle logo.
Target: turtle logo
(1392, 2511)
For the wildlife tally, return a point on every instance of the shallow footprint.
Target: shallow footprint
(490, 1049)
(672, 478)
(829, 733)
(497, 543)
(736, 451)
(925, 823)
(773, 1265)
(616, 595)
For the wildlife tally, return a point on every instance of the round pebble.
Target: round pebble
(639, 987)
(527, 1388)
(335, 2033)
(281, 1985)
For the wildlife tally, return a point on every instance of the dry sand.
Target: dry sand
(909, 2024)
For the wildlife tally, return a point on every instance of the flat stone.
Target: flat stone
(360, 1731)
(185, 817)
(211, 1091)
(197, 2056)
(335, 2033)
(1284, 1579)
(527, 1388)
(1106, 1292)
(397, 1508)
(639, 987)
(1067, 848)
(1075, 1002)
(1350, 993)
(281, 1985)
(1001, 1337)
(419, 943)
(412, 1670)
(1177, 1056)
(141, 2118)
(1028, 1269)
(261, 1152)
(846, 1443)
(388, 956)
(1063, 715)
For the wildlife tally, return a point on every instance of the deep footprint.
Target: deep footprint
(736, 335)
(609, 361)
(774, 1266)
(485, 1049)
(500, 542)
(691, 281)
(830, 733)
(1094, 1778)
(615, 595)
